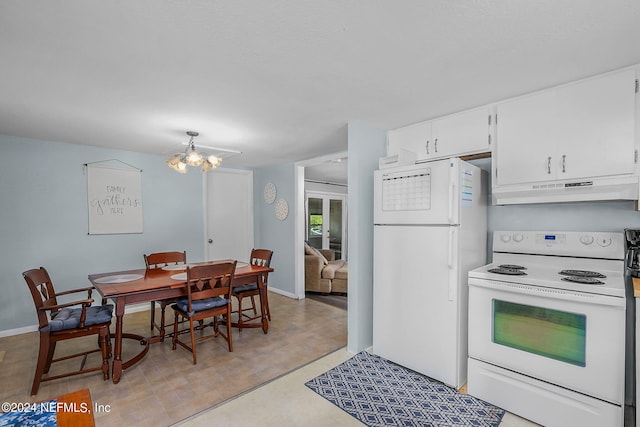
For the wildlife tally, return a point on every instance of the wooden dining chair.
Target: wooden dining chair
(60, 321)
(159, 260)
(208, 296)
(261, 257)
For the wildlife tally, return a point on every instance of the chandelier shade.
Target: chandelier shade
(192, 157)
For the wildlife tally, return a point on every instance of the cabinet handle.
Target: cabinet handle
(549, 165)
(435, 145)
(427, 146)
(564, 163)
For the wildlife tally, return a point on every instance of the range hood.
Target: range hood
(580, 190)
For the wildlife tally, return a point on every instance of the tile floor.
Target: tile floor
(258, 384)
(165, 387)
(286, 402)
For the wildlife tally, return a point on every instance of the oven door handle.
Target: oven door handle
(547, 293)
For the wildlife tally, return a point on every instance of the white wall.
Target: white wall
(270, 232)
(44, 219)
(366, 145)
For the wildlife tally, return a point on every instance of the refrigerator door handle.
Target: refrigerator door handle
(453, 174)
(452, 191)
(452, 287)
(450, 257)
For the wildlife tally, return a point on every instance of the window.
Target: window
(315, 225)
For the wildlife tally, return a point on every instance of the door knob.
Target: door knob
(210, 241)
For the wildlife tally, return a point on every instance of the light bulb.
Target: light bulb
(173, 161)
(194, 158)
(206, 165)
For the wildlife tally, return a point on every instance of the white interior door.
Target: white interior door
(229, 225)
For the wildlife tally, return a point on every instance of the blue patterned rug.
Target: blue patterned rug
(381, 393)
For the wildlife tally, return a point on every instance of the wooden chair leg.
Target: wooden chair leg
(163, 306)
(239, 312)
(175, 332)
(109, 353)
(42, 362)
(253, 305)
(107, 342)
(50, 352)
(193, 340)
(153, 313)
(104, 345)
(229, 334)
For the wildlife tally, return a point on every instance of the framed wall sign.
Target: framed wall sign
(114, 198)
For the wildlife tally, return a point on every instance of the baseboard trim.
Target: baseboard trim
(281, 292)
(133, 308)
(18, 331)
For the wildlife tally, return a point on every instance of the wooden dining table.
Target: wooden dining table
(145, 285)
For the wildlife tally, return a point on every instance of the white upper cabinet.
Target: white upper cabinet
(459, 134)
(598, 127)
(415, 138)
(463, 133)
(524, 142)
(580, 130)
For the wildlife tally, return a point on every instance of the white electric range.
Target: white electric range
(547, 327)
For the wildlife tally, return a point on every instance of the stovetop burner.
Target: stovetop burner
(582, 273)
(512, 266)
(507, 271)
(583, 280)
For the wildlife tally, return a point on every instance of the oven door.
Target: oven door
(570, 339)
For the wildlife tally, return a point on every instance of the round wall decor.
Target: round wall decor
(282, 209)
(270, 192)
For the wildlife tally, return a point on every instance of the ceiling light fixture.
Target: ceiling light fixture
(192, 157)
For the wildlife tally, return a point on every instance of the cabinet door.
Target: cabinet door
(462, 133)
(525, 140)
(415, 138)
(596, 135)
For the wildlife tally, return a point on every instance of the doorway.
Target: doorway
(326, 222)
(302, 184)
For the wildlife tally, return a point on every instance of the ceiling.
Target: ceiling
(279, 80)
(332, 171)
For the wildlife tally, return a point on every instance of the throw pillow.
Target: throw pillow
(308, 250)
(318, 253)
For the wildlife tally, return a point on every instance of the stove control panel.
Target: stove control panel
(566, 243)
(586, 239)
(551, 239)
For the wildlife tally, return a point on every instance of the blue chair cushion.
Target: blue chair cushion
(245, 288)
(182, 304)
(69, 318)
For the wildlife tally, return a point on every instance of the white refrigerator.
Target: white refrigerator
(430, 230)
